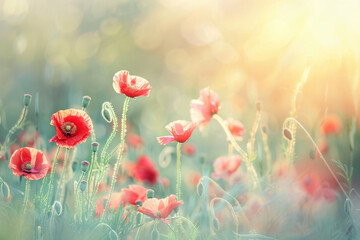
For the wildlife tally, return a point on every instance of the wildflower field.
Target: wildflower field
(179, 119)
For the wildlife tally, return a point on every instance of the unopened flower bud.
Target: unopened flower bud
(200, 189)
(83, 185)
(86, 101)
(176, 210)
(155, 234)
(265, 129)
(57, 208)
(85, 166)
(74, 166)
(138, 203)
(95, 146)
(287, 134)
(27, 100)
(106, 115)
(202, 159)
(312, 153)
(150, 193)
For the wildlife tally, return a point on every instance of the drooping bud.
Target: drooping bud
(287, 134)
(95, 146)
(86, 101)
(74, 166)
(312, 153)
(265, 129)
(150, 193)
(27, 100)
(85, 166)
(138, 203)
(216, 224)
(176, 210)
(202, 159)
(200, 189)
(57, 208)
(83, 185)
(106, 115)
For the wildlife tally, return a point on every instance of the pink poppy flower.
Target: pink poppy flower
(134, 140)
(135, 193)
(131, 86)
(160, 208)
(204, 108)
(331, 125)
(236, 128)
(29, 162)
(181, 131)
(189, 149)
(225, 166)
(116, 199)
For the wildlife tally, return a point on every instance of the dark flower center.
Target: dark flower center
(68, 128)
(26, 167)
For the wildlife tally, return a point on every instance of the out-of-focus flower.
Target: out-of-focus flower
(29, 162)
(204, 108)
(144, 170)
(181, 131)
(28, 137)
(189, 149)
(331, 125)
(116, 199)
(131, 86)
(193, 179)
(225, 166)
(134, 140)
(160, 208)
(135, 193)
(310, 182)
(236, 128)
(165, 182)
(72, 126)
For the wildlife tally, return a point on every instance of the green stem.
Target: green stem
(47, 199)
(178, 184)
(26, 196)
(63, 171)
(93, 156)
(118, 160)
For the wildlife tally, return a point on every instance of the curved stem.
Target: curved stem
(118, 160)
(178, 179)
(320, 154)
(26, 196)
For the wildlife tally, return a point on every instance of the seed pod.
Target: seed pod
(74, 166)
(85, 166)
(287, 134)
(138, 203)
(200, 189)
(83, 185)
(150, 193)
(27, 100)
(176, 210)
(86, 101)
(95, 146)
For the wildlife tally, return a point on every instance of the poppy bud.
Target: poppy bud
(200, 189)
(27, 100)
(57, 207)
(83, 185)
(216, 224)
(138, 203)
(155, 234)
(287, 134)
(113, 236)
(85, 166)
(95, 146)
(7, 155)
(202, 159)
(259, 105)
(74, 166)
(265, 129)
(312, 153)
(347, 206)
(106, 115)
(86, 101)
(150, 193)
(176, 210)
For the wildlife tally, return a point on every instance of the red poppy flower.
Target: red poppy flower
(135, 193)
(181, 131)
(134, 140)
(72, 126)
(310, 183)
(331, 125)
(28, 137)
(29, 162)
(160, 208)
(131, 86)
(225, 166)
(116, 199)
(189, 149)
(236, 128)
(145, 170)
(204, 108)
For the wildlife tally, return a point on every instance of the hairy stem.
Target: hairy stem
(178, 179)
(26, 195)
